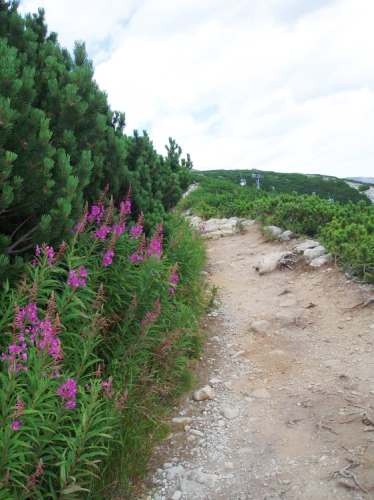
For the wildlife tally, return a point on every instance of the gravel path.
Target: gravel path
(291, 369)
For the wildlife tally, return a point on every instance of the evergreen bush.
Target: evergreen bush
(61, 144)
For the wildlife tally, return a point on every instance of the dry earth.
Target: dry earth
(293, 412)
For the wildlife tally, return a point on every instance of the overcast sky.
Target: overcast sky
(285, 85)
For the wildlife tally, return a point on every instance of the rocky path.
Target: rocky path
(291, 368)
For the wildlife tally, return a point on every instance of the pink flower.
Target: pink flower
(68, 389)
(155, 245)
(50, 254)
(77, 277)
(70, 404)
(135, 258)
(96, 213)
(68, 392)
(107, 387)
(137, 230)
(31, 331)
(48, 341)
(102, 232)
(19, 407)
(45, 250)
(16, 425)
(31, 312)
(125, 206)
(26, 323)
(108, 258)
(119, 229)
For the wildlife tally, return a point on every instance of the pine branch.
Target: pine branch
(11, 249)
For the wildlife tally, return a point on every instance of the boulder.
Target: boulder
(305, 245)
(216, 228)
(321, 261)
(314, 253)
(273, 231)
(270, 262)
(245, 224)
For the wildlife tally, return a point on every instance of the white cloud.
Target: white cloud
(283, 84)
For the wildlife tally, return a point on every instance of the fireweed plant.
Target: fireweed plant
(95, 344)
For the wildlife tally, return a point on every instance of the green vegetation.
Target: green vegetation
(363, 187)
(96, 337)
(346, 229)
(61, 144)
(324, 186)
(96, 342)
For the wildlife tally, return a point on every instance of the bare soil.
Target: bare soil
(293, 413)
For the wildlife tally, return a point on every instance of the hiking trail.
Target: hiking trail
(291, 363)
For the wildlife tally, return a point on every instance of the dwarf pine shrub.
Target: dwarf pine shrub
(346, 229)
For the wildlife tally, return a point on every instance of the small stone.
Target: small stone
(204, 393)
(215, 381)
(321, 261)
(177, 495)
(195, 432)
(181, 420)
(230, 413)
(286, 235)
(229, 465)
(261, 393)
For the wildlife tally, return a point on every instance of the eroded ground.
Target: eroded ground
(293, 413)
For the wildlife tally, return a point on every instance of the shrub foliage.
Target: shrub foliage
(61, 144)
(346, 229)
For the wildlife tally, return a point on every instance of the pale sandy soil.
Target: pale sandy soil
(302, 392)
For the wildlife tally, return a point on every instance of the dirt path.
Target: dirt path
(293, 412)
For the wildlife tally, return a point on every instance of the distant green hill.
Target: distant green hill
(324, 186)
